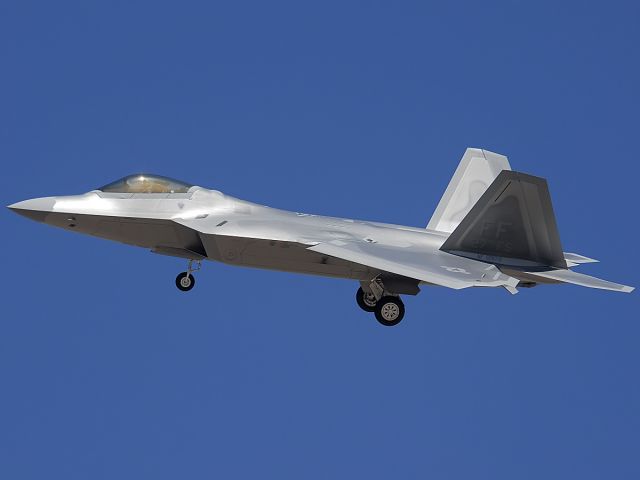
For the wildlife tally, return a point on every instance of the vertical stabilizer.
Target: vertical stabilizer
(512, 225)
(476, 171)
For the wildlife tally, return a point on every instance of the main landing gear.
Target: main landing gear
(185, 281)
(366, 301)
(388, 309)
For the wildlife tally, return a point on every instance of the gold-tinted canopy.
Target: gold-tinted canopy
(146, 183)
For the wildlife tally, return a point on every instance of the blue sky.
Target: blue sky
(354, 109)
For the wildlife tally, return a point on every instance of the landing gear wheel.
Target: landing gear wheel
(366, 301)
(389, 311)
(185, 281)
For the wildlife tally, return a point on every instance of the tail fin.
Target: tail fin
(512, 224)
(477, 169)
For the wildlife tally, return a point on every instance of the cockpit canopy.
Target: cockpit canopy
(145, 183)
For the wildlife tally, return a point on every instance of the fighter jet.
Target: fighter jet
(493, 227)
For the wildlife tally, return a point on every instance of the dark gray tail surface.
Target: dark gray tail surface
(512, 224)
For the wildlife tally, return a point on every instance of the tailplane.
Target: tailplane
(569, 276)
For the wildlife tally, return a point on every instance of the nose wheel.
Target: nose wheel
(185, 281)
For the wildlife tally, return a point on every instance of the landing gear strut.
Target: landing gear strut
(185, 281)
(388, 309)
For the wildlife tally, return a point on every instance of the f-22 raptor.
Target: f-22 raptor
(493, 227)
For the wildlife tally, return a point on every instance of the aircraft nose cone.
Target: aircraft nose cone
(35, 209)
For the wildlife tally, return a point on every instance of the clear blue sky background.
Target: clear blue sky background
(355, 109)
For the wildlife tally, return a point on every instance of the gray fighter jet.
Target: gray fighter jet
(493, 227)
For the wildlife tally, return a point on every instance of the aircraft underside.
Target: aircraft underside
(166, 237)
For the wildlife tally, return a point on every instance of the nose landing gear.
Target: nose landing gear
(185, 281)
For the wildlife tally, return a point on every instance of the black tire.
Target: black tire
(389, 311)
(363, 302)
(185, 281)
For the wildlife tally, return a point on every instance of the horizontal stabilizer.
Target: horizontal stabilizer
(574, 259)
(568, 276)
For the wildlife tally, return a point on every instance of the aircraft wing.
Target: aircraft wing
(272, 229)
(419, 262)
(431, 266)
